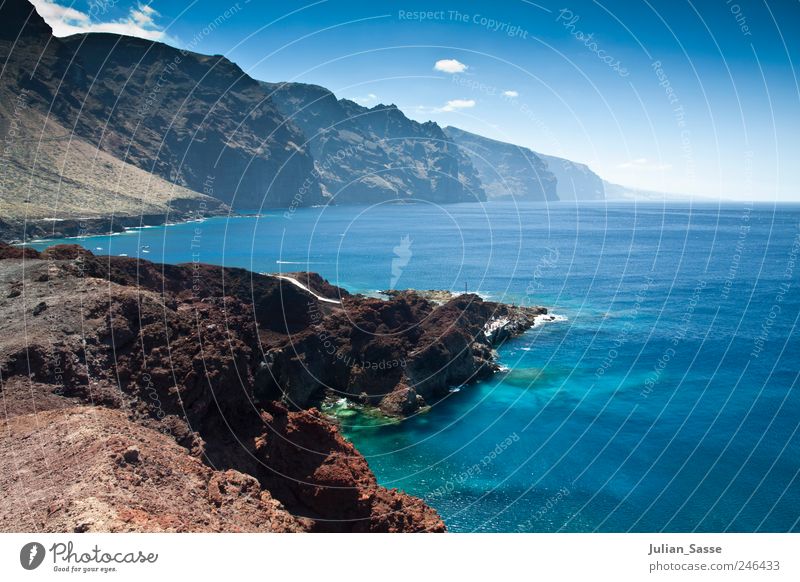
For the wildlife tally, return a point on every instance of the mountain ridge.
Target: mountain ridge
(54, 180)
(505, 169)
(513, 170)
(197, 129)
(398, 158)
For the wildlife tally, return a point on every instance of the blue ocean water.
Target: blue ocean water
(667, 401)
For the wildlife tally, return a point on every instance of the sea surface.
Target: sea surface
(667, 401)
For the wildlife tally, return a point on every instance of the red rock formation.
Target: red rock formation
(325, 473)
(177, 349)
(205, 353)
(71, 469)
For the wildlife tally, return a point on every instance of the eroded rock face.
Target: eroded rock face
(230, 365)
(21, 19)
(329, 478)
(399, 354)
(186, 116)
(506, 170)
(368, 155)
(171, 353)
(65, 171)
(183, 117)
(575, 181)
(178, 115)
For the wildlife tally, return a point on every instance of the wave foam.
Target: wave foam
(540, 320)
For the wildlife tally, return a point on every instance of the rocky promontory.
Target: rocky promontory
(203, 382)
(399, 354)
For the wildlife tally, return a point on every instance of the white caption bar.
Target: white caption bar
(348, 558)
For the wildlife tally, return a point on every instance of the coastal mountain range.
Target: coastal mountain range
(101, 125)
(507, 170)
(366, 155)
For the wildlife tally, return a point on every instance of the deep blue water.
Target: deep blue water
(667, 401)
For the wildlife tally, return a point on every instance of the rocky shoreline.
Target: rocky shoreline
(18, 231)
(212, 375)
(398, 354)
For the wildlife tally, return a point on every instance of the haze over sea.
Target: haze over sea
(666, 401)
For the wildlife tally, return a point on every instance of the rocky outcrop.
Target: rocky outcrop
(506, 170)
(366, 155)
(399, 354)
(176, 351)
(230, 365)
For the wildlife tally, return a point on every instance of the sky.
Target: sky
(698, 98)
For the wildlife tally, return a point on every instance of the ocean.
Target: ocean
(666, 400)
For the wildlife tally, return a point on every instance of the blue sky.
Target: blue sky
(699, 98)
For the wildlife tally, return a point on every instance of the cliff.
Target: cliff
(194, 119)
(510, 170)
(101, 121)
(618, 192)
(125, 119)
(366, 155)
(506, 170)
(20, 20)
(575, 181)
(49, 172)
(141, 384)
(100, 125)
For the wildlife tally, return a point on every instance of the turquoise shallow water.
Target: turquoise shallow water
(667, 401)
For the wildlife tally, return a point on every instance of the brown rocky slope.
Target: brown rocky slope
(56, 180)
(210, 375)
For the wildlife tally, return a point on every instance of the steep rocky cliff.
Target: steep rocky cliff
(199, 122)
(50, 173)
(194, 120)
(176, 351)
(367, 155)
(506, 170)
(510, 170)
(103, 124)
(575, 181)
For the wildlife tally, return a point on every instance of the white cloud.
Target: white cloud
(456, 104)
(451, 66)
(65, 21)
(143, 15)
(644, 164)
(54, 13)
(370, 98)
(511, 93)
